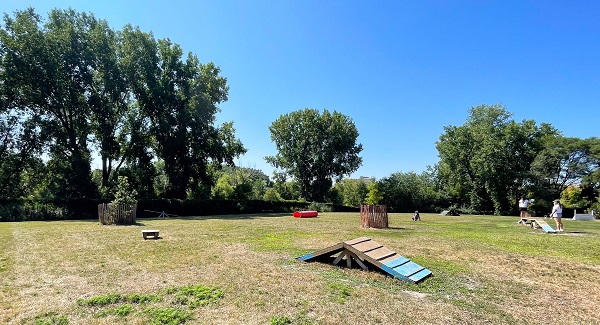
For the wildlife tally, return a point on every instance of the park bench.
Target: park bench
(150, 233)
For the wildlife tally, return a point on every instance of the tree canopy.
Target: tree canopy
(491, 160)
(314, 149)
(72, 86)
(403, 192)
(351, 192)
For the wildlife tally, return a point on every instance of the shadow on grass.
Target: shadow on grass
(224, 216)
(200, 217)
(137, 224)
(76, 220)
(577, 233)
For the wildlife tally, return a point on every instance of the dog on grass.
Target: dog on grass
(416, 216)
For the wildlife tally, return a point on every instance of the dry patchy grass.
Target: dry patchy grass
(486, 270)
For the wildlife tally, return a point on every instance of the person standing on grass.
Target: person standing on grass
(557, 215)
(523, 203)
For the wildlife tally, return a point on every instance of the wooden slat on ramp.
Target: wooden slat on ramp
(328, 251)
(365, 251)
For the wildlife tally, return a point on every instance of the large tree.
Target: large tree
(352, 192)
(179, 100)
(315, 148)
(564, 162)
(110, 105)
(49, 72)
(20, 146)
(405, 192)
(285, 188)
(486, 162)
(241, 183)
(594, 177)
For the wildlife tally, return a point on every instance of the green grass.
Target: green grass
(280, 320)
(241, 269)
(51, 318)
(168, 316)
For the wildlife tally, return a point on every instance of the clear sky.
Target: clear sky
(401, 69)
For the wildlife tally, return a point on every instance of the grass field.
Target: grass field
(242, 270)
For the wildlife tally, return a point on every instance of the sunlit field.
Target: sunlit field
(242, 269)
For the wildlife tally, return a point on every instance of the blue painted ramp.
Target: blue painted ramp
(306, 257)
(365, 252)
(545, 226)
(405, 269)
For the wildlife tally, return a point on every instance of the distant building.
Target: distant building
(366, 179)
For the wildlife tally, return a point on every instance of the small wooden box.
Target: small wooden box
(150, 233)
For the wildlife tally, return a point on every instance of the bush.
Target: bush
(596, 207)
(51, 318)
(321, 207)
(539, 208)
(25, 210)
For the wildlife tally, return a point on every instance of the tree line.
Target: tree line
(71, 86)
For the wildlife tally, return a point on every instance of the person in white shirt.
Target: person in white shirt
(523, 203)
(557, 215)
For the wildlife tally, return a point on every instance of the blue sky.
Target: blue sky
(402, 70)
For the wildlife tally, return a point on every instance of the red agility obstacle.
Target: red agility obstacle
(305, 214)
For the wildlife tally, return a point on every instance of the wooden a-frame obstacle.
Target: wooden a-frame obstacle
(364, 252)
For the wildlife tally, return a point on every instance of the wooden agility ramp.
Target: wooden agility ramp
(363, 252)
(542, 224)
(539, 223)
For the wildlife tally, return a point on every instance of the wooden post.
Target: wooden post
(373, 216)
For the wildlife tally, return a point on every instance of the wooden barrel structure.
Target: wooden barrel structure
(117, 214)
(373, 216)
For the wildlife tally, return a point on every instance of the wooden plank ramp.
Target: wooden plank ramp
(365, 252)
(544, 225)
(539, 223)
